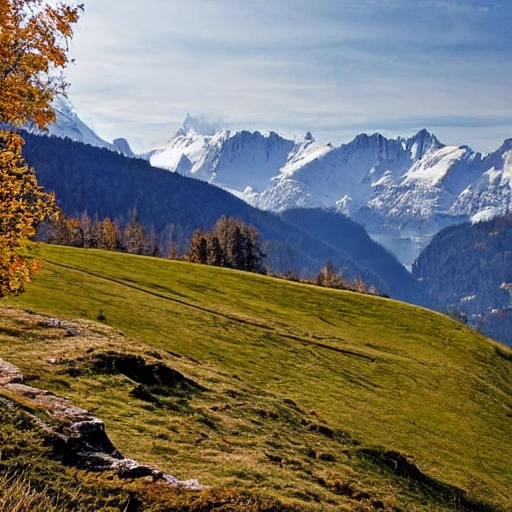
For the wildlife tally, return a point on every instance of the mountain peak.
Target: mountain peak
(422, 142)
(201, 125)
(122, 146)
(309, 137)
(69, 125)
(507, 145)
(425, 136)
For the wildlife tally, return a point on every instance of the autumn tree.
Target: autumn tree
(34, 36)
(214, 254)
(22, 205)
(330, 277)
(61, 230)
(110, 235)
(133, 235)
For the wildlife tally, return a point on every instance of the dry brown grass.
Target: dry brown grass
(18, 495)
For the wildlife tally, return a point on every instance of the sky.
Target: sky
(335, 68)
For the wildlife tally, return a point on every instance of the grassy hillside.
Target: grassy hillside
(309, 392)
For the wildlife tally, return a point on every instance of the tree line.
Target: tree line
(330, 276)
(123, 235)
(231, 243)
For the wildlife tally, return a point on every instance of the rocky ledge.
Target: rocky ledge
(78, 438)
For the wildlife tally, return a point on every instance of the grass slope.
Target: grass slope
(309, 391)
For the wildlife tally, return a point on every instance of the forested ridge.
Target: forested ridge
(102, 182)
(464, 268)
(466, 261)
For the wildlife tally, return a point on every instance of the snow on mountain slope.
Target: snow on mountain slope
(69, 125)
(226, 158)
(345, 177)
(492, 190)
(402, 190)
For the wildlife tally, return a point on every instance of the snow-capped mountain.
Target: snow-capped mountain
(122, 146)
(231, 160)
(402, 190)
(69, 125)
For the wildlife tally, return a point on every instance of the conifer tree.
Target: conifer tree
(232, 244)
(73, 233)
(134, 240)
(214, 254)
(197, 251)
(33, 49)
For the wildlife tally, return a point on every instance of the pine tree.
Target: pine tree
(232, 244)
(134, 240)
(234, 252)
(254, 256)
(197, 251)
(110, 235)
(74, 233)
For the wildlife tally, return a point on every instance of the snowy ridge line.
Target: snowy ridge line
(403, 190)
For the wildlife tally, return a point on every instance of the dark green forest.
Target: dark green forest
(464, 268)
(103, 183)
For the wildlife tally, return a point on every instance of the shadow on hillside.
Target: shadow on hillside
(399, 465)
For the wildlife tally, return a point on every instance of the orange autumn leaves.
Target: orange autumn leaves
(23, 204)
(34, 38)
(33, 49)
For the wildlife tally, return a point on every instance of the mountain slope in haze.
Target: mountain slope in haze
(342, 233)
(68, 125)
(402, 191)
(464, 268)
(321, 399)
(89, 179)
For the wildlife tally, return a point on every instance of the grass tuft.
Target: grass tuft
(18, 495)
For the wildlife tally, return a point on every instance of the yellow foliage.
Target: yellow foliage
(33, 52)
(23, 204)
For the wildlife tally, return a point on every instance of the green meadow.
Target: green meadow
(303, 398)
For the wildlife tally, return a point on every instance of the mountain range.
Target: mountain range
(102, 182)
(403, 190)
